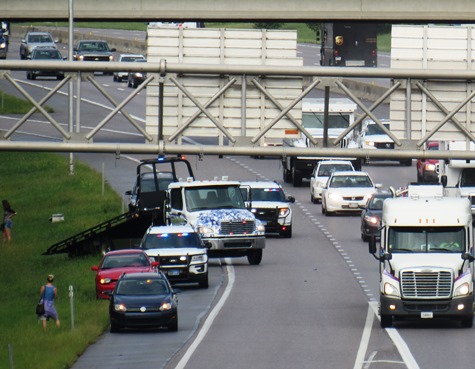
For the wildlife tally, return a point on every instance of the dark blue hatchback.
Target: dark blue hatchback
(143, 300)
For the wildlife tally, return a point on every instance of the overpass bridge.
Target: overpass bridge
(390, 11)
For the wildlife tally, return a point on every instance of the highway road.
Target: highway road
(310, 304)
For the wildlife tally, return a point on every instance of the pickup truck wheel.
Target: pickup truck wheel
(364, 237)
(204, 282)
(254, 257)
(312, 199)
(386, 321)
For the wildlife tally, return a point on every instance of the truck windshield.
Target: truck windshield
(214, 197)
(315, 120)
(426, 239)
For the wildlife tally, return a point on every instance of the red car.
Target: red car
(115, 263)
(426, 169)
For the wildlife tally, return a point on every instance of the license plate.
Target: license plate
(351, 205)
(173, 272)
(427, 315)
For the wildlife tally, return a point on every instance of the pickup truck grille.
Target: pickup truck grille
(104, 58)
(267, 214)
(426, 284)
(235, 228)
(384, 145)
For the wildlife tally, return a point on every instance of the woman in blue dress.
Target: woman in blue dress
(49, 293)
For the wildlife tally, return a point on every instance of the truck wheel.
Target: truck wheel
(297, 178)
(254, 257)
(287, 176)
(386, 321)
(467, 322)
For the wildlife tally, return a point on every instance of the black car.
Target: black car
(143, 300)
(371, 216)
(45, 53)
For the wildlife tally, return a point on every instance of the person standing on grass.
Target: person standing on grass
(8, 214)
(49, 293)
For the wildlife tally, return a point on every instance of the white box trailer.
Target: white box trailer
(435, 48)
(243, 118)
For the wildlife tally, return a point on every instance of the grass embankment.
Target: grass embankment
(37, 186)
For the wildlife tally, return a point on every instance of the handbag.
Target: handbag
(40, 306)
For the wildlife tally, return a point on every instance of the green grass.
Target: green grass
(13, 105)
(38, 185)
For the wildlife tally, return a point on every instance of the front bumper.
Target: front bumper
(234, 243)
(143, 319)
(192, 273)
(417, 308)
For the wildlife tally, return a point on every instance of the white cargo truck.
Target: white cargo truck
(341, 114)
(217, 211)
(426, 257)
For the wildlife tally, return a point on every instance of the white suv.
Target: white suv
(180, 251)
(270, 205)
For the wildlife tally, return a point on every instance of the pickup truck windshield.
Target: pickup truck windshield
(214, 197)
(426, 239)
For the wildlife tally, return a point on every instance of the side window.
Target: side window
(176, 199)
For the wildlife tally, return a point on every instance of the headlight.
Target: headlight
(334, 196)
(429, 167)
(369, 143)
(166, 306)
(105, 280)
(462, 290)
(370, 219)
(261, 228)
(205, 231)
(283, 212)
(3, 45)
(120, 307)
(111, 57)
(391, 290)
(138, 75)
(199, 258)
(80, 57)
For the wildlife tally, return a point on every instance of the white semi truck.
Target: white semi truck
(426, 257)
(217, 211)
(341, 114)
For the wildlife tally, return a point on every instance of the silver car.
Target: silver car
(34, 39)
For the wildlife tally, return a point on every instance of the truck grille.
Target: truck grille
(242, 227)
(426, 284)
(384, 145)
(353, 198)
(104, 58)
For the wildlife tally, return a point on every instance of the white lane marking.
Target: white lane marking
(400, 344)
(360, 356)
(210, 319)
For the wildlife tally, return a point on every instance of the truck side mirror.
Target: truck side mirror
(372, 245)
(443, 180)
(291, 199)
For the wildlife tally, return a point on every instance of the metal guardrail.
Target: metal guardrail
(84, 71)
